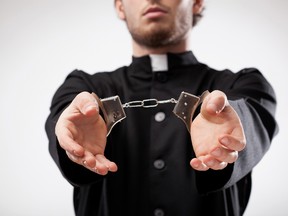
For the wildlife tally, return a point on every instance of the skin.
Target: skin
(156, 27)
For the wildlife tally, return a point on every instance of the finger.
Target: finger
(213, 163)
(85, 103)
(233, 143)
(224, 154)
(68, 143)
(197, 164)
(214, 103)
(74, 158)
(103, 165)
(88, 160)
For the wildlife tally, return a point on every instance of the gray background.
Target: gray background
(41, 41)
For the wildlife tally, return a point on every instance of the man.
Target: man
(150, 164)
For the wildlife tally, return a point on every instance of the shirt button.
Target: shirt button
(159, 212)
(162, 77)
(160, 116)
(159, 164)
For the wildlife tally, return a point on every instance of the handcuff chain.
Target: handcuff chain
(148, 103)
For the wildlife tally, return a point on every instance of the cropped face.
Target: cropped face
(156, 23)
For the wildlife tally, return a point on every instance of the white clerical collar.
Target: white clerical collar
(159, 62)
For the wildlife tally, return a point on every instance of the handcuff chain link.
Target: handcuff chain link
(148, 103)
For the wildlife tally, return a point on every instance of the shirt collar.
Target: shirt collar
(169, 61)
(159, 62)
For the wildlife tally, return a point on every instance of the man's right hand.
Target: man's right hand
(81, 132)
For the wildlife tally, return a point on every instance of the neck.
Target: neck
(141, 50)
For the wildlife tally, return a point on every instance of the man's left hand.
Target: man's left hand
(217, 134)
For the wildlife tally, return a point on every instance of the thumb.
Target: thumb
(85, 103)
(214, 104)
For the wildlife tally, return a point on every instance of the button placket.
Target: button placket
(160, 123)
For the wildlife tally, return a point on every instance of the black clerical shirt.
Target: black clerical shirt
(152, 147)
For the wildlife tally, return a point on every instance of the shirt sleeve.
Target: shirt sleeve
(254, 100)
(74, 173)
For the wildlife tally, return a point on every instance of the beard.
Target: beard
(159, 35)
(153, 38)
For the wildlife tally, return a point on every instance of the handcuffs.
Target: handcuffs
(113, 110)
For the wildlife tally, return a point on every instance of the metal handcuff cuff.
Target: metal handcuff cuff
(113, 110)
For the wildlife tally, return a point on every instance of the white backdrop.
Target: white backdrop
(41, 41)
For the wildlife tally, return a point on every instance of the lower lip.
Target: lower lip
(155, 14)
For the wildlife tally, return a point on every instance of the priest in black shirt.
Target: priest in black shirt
(152, 163)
